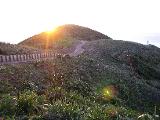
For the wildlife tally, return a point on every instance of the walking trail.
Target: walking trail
(79, 50)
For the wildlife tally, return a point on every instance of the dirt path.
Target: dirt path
(78, 49)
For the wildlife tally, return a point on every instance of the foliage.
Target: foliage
(10, 49)
(69, 89)
(80, 86)
(66, 111)
(28, 103)
(65, 42)
(6, 87)
(7, 105)
(145, 69)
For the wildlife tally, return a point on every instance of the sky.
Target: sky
(131, 20)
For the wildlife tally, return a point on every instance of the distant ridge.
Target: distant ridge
(68, 31)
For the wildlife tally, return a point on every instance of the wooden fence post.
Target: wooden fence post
(27, 56)
(24, 57)
(17, 58)
(1, 59)
(7, 58)
(38, 56)
(11, 58)
(4, 58)
(20, 57)
(30, 56)
(34, 57)
(14, 58)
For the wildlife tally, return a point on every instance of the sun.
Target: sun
(50, 30)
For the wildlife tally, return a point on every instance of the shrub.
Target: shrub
(6, 87)
(80, 86)
(66, 111)
(28, 103)
(120, 112)
(35, 117)
(75, 97)
(7, 105)
(54, 94)
(96, 112)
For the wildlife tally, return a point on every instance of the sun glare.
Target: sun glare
(51, 30)
(50, 27)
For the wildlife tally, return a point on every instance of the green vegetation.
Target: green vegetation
(65, 43)
(72, 89)
(70, 106)
(145, 68)
(110, 80)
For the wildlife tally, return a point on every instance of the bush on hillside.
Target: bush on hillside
(7, 105)
(29, 103)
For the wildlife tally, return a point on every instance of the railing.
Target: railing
(25, 57)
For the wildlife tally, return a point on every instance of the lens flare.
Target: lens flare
(49, 34)
(109, 92)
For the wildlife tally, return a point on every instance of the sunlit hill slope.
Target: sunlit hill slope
(64, 32)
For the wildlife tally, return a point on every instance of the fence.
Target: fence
(25, 57)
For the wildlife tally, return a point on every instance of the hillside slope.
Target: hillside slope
(137, 67)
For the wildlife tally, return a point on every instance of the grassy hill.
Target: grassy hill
(110, 80)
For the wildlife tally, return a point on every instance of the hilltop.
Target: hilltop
(66, 33)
